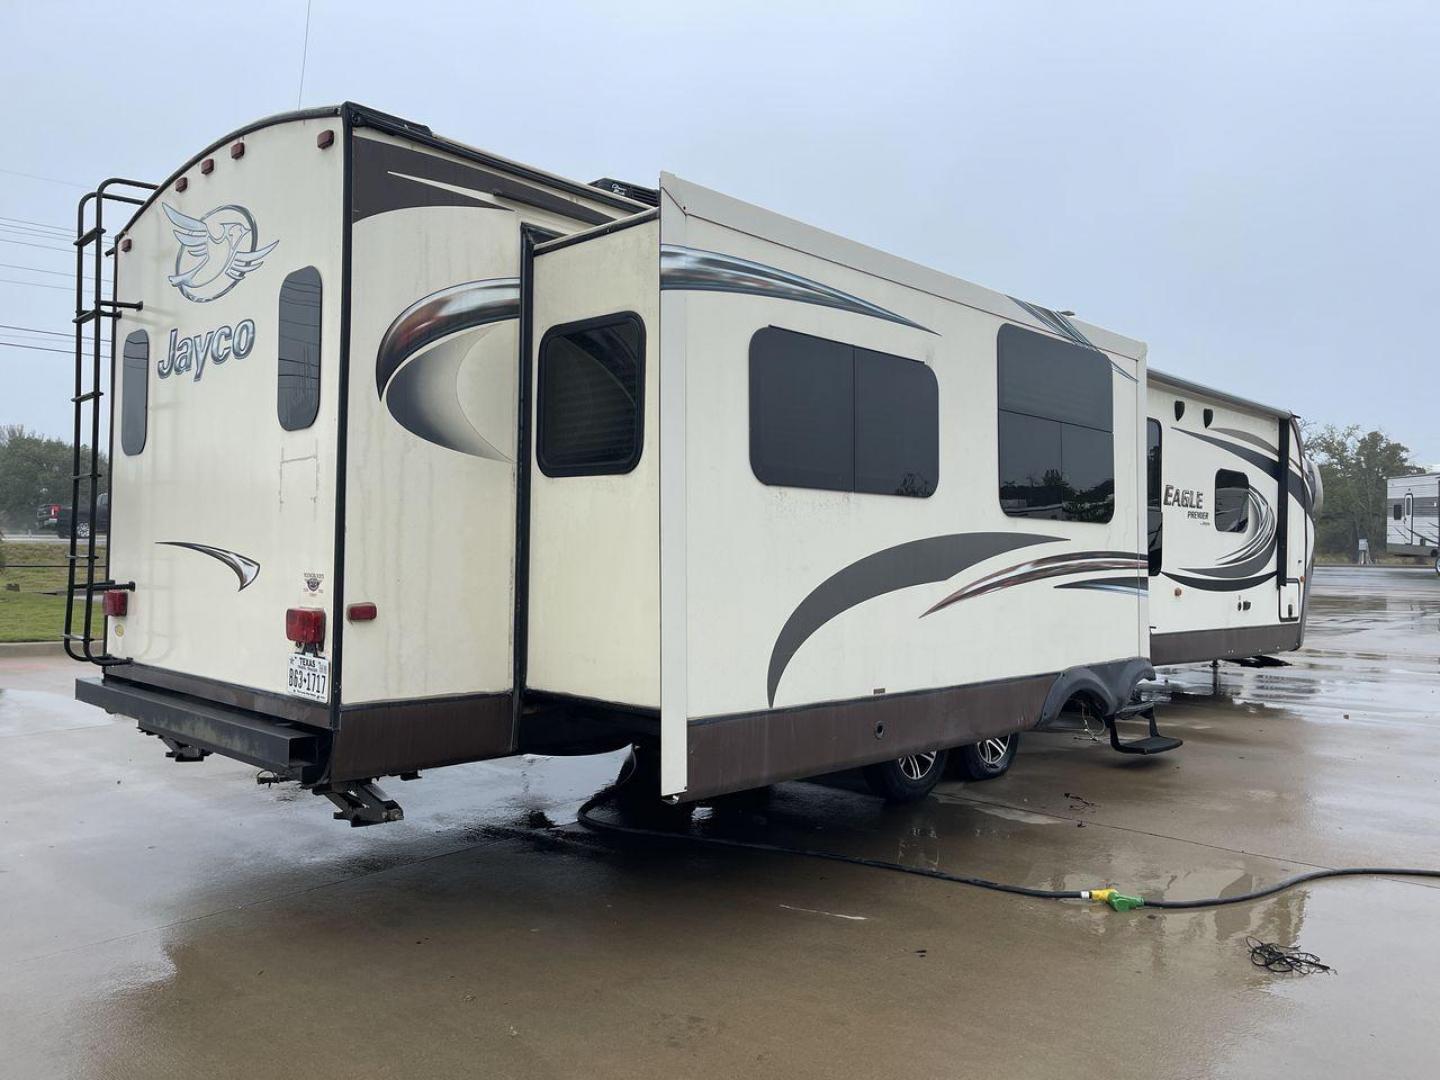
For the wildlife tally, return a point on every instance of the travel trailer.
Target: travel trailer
(1231, 530)
(1412, 526)
(426, 457)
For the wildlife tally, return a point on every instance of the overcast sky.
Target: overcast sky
(1250, 188)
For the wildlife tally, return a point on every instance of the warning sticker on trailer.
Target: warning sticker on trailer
(310, 676)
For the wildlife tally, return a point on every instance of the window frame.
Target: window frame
(1215, 515)
(759, 468)
(131, 374)
(285, 410)
(622, 468)
(1000, 412)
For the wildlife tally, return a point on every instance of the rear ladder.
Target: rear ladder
(90, 317)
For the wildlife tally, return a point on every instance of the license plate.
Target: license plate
(310, 676)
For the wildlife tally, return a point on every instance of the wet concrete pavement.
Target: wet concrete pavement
(176, 920)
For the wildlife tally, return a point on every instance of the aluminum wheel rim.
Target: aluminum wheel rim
(918, 766)
(993, 751)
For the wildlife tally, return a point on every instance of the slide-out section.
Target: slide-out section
(870, 547)
(593, 601)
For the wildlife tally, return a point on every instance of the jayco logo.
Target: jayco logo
(216, 251)
(191, 353)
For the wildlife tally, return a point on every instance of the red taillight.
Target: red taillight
(117, 603)
(360, 612)
(305, 625)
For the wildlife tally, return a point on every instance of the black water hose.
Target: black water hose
(1115, 899)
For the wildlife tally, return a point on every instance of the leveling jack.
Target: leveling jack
(361, 802)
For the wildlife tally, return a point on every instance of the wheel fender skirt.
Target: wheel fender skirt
(1111, 683)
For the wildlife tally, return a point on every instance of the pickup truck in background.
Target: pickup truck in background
(66, 518)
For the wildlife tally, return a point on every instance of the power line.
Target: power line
(46, 179)
(36, 348)
(37, 224)
(35, 284)
(37, 330)
(88, 343)
(43, 247)
(31, 230)
(42, 270)
(304, 55)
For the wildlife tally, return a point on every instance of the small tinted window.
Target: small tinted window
(591, 397)
(1155, 525)
(297, 388)
(1055, 427)
(1399, 511)
(824, 414)
(134, 392)
(1232, 501)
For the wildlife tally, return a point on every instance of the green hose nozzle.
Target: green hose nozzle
(1117, 900)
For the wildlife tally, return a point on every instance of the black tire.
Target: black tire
(909, 778)
(988, 759)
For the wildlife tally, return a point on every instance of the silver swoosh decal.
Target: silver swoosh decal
(421, 392)
(246, 568)
(1062, 565)
(694, 270)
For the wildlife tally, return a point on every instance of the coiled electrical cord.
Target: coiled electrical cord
(1110, 896)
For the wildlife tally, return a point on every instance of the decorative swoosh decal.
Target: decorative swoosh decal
(695, 270)
(1070, 562)
(918, 562)
(246, 568)
(1220, 584)
(1119, 585)
(1299, 486)
(418, 382)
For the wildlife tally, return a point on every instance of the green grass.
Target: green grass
(30, 614)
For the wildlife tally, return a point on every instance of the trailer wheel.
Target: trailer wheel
(909, 778)
(987, 759)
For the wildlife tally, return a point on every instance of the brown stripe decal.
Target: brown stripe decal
(1073, 562)
(919, 562)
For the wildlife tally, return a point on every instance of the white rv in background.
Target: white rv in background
(1231, 536)
(1412, 526)
(427, 457)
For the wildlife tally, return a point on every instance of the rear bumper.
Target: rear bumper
(286, 748)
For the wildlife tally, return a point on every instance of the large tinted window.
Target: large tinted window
(297, 388)
(1153, 495)
(591, 397)
(134, 392)
(1232, 501)
(828, 415)
(1056, 428)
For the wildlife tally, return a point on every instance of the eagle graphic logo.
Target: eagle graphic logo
(216, 251)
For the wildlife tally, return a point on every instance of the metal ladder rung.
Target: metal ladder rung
(88, 237)
(89, 395)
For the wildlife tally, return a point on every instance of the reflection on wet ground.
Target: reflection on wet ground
(177, 920)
